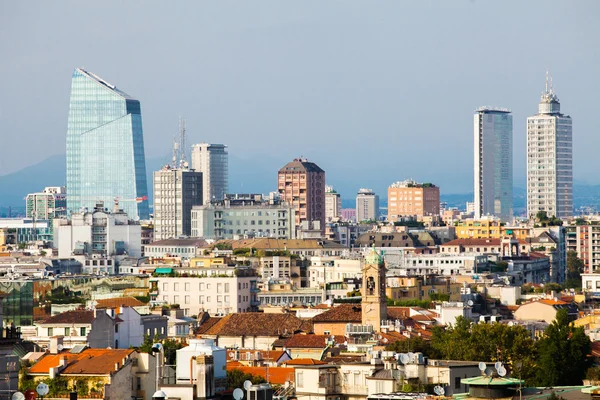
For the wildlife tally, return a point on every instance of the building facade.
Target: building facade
(244, 216)
(302, 184)
(98, 234)
(410, 198)
(49, 204)
(493, 163)
(367, 205)
(213, 161)
(176, 191)
(333, 204)
(549, 159)
(105, 147)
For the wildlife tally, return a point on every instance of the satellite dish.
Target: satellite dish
(18, 396)
(410, 355)
(60, 347)
(404, 358)
(42, 389)
(439, 390)
(498, 365)
(231, 354)
(470, 303)
(238, 394)
(385, 340)
(502, 371)
(247, 385)
(482, 366)
(379, 337)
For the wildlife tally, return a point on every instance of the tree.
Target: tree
(413, 344)
(574, 270)
(237, 377)
(562, 353)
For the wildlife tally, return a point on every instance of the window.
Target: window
(116, 328)
(201, 286)
(82, 331)
(165, 287)
(186, 299)
(300, 379)
(597, 284)
(176, 286)
(50, 331)
(187, 286)
(176, 299)
(457, 382)
(67, 331)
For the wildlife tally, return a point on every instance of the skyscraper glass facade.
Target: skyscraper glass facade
(105, 147)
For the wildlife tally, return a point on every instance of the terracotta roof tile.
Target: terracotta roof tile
(478, 242)
(258, 324)
(206, 325)
(88, 362)
(552, 302)
(312, 341)
(276, 375)
(343, 313)
(119, 302)
(71, 317)
(304, 361)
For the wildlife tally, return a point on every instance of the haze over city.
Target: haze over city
(373, 93)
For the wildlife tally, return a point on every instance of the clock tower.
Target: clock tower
(374, 301)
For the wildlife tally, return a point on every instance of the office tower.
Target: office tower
(549, 159)
(105, 147)
(367, 205)
(176, 191)
(333, 204)
(49, 204)
(302, 184)
(412, 199)
(212, 161)
(493, 163)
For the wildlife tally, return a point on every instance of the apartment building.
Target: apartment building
(488, 227)
(333, 204)
(409, 198)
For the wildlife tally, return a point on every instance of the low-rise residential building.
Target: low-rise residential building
(410, 198)
(421, 287)
(74, 327)
(545, 310)
(102, 373)
(438, 264)
(217, 294)
(184, 248)
(489, 228)
(284, 293)
(332, 269)
(300, 247)
(480, 246)
(244, 215)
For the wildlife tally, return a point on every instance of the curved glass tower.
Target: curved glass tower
(105, 148)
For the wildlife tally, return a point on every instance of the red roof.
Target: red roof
(304, 361)
(276, 375)
(71, 317)
(312, 341)
(343, 313)
(88, 362)
(258, 324)
(478, 242)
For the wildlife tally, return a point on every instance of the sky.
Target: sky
(372, 91)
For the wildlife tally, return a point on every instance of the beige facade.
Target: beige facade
(409, 198)
(333, 204)
(302, 184)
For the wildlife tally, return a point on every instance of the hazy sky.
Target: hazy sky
(372, 91)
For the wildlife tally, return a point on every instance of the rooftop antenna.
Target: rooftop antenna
(182, 140)
(546, 81)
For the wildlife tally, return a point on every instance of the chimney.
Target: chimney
(56, 344)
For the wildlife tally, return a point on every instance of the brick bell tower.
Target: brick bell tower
(374, 301)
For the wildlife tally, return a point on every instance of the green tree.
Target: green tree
(413, 344)
(574, 270)
(562, 353)
(236, 378)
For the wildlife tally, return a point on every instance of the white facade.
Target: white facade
(367, 205)
(549, 159)
(213, 294)
(175, 192)
(328, 269)
(213, 161)
(98, 233)
(232, 220)
(493, 163)
(333, 204)
(439, 264)
(48, 204)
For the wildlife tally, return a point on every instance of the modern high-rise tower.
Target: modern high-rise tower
(212, 161)
(105, 147)
(549, 159)
(367, 205)
(493, 130)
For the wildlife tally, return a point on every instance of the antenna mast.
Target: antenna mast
(182, 139)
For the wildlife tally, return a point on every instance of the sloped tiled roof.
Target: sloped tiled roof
(258, 324)
(304, 361)
(267, 355)
(312, 341)
(206, 325)
(71, 317)
(398, 313)
(343, 313)
(281, 244)
(276, 375)
(478, 242)
(88, 362)
(119, 302)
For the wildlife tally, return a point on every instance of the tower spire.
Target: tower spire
(547, 80)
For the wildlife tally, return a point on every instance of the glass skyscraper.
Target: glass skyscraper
(105, 148)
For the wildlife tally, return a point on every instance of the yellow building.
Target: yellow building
(418, 288)
(488, 228)
(208, 262)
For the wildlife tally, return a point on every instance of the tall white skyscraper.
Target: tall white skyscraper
(213, 161)
(493, 163)
(549, 158)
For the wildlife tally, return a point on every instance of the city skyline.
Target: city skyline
(378, 77)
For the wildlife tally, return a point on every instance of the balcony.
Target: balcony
(10, 336)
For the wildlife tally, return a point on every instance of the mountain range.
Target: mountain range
(246, 175)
